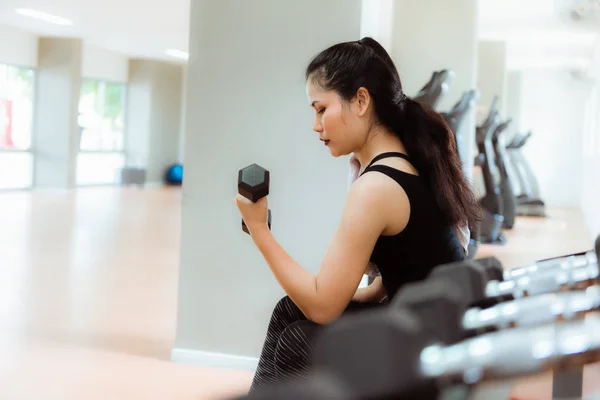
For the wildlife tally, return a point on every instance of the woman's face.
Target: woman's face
(339, 123)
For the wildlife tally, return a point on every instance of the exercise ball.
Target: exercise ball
(175, 174)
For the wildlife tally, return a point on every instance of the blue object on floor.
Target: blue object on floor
(175, 174)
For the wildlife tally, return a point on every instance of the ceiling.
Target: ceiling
(535, 30)
(540, 33)
(137, 28)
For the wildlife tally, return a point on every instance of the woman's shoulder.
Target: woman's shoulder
(385, 198)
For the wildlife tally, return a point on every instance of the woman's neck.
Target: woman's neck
(379, 140)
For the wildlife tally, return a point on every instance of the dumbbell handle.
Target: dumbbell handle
(543, 282)
(557, 264)
(516, 352)
(534, 311)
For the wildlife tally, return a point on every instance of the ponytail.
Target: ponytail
(429, 142)
(432, 149)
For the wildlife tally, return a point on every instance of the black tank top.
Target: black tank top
(426, 242)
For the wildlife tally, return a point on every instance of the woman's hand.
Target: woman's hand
(254, 214)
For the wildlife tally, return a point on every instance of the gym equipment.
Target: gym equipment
(253, 184)
(471, 278)
(174, 175)
(565, 262)
(321, 386)
(509, 201)
(491, 203)
(436, 88)
(455, 118)
(393, 353)
(438, 305)
(534, 311)
(526, 188)
(133, 176)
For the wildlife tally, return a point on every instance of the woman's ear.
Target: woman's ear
(363, 101)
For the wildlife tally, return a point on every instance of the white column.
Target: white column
(56, 131)
(492, 76)
(247, 103)
(513, 99)
(154, 105)
(431, 35)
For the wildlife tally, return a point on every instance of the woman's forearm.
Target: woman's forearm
(299, 284)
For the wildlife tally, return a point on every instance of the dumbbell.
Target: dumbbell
(554, 264)
(389, 353)
(313, 386)
(443, 308)
(478, 290)
(253, 184)
(495, 271)
(534, 311)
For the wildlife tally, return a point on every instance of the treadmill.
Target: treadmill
(491, 204)
(455, 118)
(526, 187)
(436, 88)
(509, 200)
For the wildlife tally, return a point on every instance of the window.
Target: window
(16, 107)
(101, 123)
(99, 168)
(101, 114)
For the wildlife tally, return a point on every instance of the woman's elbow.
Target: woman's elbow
(323, 316)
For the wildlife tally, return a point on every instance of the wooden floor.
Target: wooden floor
(88, 289)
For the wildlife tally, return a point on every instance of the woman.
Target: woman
(400, 213)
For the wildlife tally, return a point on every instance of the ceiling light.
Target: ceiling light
(184, 55)
(53, 19)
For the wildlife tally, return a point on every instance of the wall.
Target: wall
(247, 103)
(590, 199)
(553, 107)
(102, 64)
(18, 47)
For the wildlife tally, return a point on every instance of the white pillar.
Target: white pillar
(513, 99)
(431, 35)
(154, 104)
(492, 76)
(247, 103)
(56, 131)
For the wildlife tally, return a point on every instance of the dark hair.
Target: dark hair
(431, 146)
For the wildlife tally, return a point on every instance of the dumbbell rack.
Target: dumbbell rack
(567, 384)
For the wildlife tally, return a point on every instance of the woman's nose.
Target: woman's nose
(317, 126)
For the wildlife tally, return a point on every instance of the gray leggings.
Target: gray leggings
(288, 347)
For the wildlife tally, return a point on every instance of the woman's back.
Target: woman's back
(425, 242)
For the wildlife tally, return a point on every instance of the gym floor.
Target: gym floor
(88, 290)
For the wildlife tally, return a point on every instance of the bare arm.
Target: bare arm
(323, 298)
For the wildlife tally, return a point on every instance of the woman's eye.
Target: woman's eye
(321, 111)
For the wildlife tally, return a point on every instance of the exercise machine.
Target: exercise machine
(509, 201)
(491, 203)
(455, 119)
(436, 88)
(526, 187)
(457, 115)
